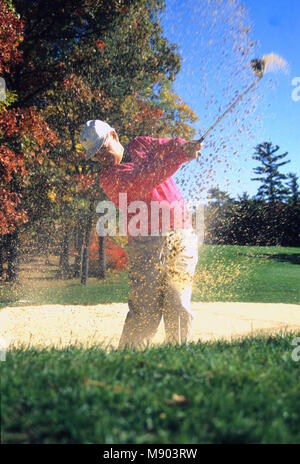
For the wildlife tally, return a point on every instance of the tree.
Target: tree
(84, 60)
(11, 29)
(217, 222)
(249, 226)
(272, 189)
(293, 185)
(217, 196)
(115, 46)
(24, 139)
(292, 236)
(157, 114)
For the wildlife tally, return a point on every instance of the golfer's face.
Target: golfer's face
(111, 152)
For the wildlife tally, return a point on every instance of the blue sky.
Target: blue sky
(275, 27)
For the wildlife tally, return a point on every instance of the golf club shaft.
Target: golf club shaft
(228, 109)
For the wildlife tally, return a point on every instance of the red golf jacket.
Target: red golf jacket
(148, 178)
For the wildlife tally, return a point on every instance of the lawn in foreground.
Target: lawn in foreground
(246, 391)
(224, 273)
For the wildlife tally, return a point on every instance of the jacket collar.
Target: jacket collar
(126, 156)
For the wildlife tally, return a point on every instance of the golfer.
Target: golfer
(161, 259)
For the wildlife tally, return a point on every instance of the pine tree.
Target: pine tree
(272, 189)
(293, 211)
(293, 188)
(218, 197)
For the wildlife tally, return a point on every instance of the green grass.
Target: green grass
(113, 289)
(246, 391)
(249, 274)
(224, 273)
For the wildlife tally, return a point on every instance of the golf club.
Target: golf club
(259, 66)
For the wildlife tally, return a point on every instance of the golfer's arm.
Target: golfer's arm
(163, 149)
(139, 179)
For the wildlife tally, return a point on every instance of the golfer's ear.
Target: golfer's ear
(115, 135)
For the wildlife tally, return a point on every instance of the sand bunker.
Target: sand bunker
(60, 326)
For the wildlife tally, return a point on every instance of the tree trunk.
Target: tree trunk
(13, 258)
(2, 252)
(102, 258)
(85, 259)
(79, 249)
(64, 266)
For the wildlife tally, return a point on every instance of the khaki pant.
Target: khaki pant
(161, 271)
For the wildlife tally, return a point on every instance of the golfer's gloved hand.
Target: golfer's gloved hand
(192, 149)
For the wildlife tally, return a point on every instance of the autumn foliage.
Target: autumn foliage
(24, 134)
(116, 258)
(11, 28)
(65, 63)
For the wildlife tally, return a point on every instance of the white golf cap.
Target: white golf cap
(93, 135)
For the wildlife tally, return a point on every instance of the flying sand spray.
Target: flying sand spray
(271, 62)
(268, 63)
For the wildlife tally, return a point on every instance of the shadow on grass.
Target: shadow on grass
(293, 258)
